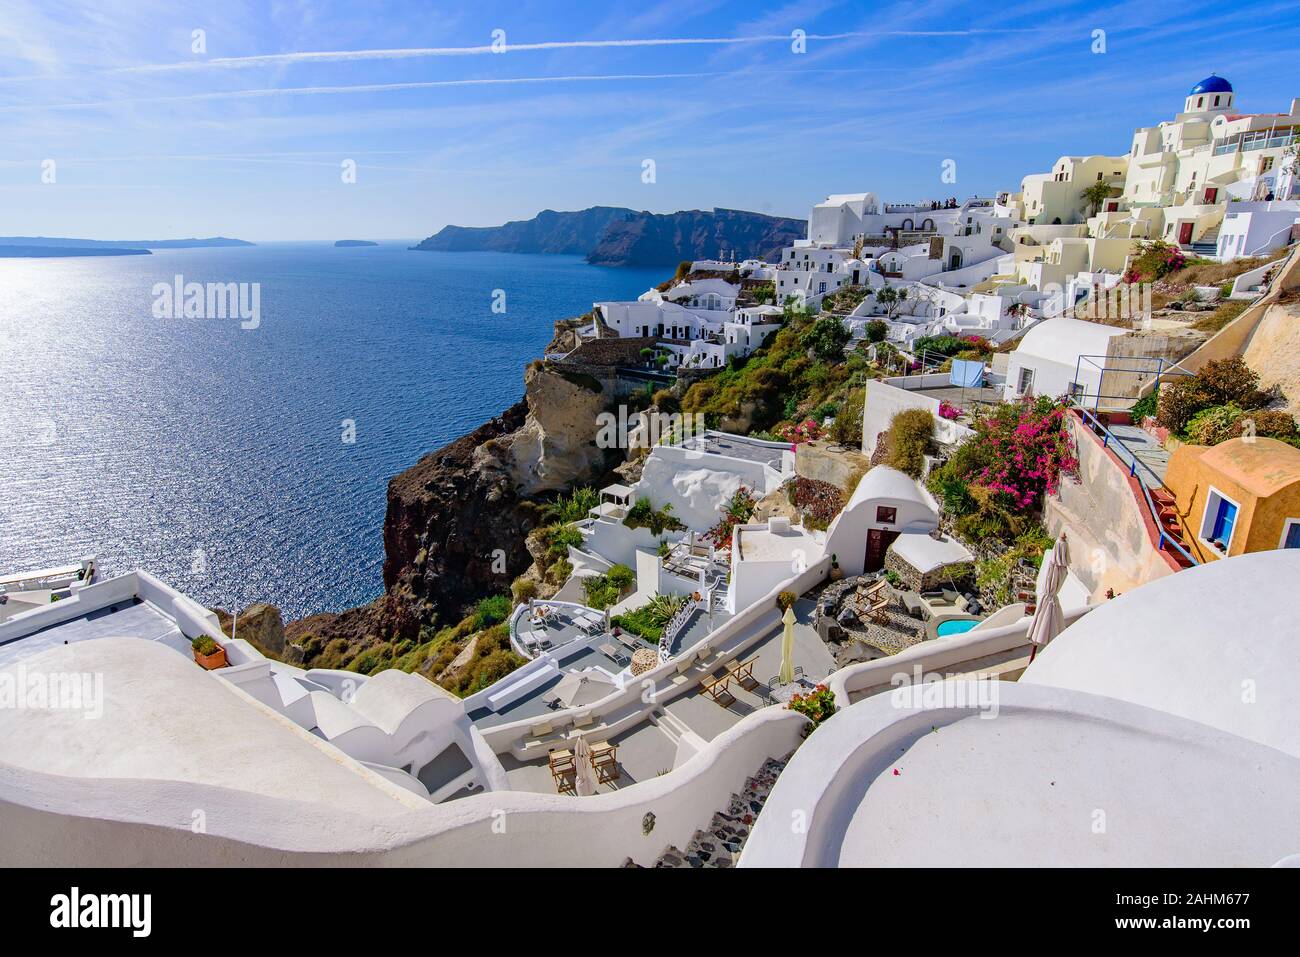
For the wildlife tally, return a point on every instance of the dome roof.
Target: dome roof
(1211, 84)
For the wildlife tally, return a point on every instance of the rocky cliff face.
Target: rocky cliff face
(457, 520)
(649, 239)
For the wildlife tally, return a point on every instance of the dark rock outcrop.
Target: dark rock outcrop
(458, 520)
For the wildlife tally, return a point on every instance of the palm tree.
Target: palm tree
(1096, 194)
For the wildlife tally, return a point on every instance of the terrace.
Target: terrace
(770, 454)
(132, 617)
(672, 731)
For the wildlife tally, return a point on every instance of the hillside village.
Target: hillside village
(987, 450)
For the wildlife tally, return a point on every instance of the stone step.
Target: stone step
(719, 844)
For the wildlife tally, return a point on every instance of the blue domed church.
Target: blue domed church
(1211, 95)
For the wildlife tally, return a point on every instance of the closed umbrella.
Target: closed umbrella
(787, 648)
(1049, 620)
(583, 782)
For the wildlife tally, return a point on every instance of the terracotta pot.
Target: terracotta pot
(837, 573)
(213, 661)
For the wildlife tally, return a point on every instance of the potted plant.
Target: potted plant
(785, 599)
(208, 653)
(836, 572)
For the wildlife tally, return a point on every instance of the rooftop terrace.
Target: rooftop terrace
(132, 618)
(739, 447)
(650, 746)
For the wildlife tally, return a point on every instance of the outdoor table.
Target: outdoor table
(784, 693)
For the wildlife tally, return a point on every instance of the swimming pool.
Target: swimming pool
(955, 626)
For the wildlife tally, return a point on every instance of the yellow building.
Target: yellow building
(1240, 496)
(1057, 197)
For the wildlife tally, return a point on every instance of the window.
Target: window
(1025, 384)
(1291, 533)
(1219, 521)
(885, 515)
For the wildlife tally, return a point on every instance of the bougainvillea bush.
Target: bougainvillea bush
(737, 511)
(996, 482)
(949, 411)
(1154, 260)
(805, 431)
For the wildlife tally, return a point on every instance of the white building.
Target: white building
(1050, 359)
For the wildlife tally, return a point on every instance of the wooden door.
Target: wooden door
(1184, 234)
(878, 542)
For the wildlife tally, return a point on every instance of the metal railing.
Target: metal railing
(1134, 462)
(674, 626)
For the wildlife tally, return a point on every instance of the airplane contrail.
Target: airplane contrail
(327, 56)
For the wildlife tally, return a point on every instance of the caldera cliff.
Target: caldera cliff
(456, 532)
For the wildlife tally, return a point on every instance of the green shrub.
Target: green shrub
(826, 338)
(571, 508)
(1224, 314)
(491, 611)
(523, 589)
(643, 514)
(1214, 425)
(621, 576)
(1145, 406)
(786, 599)
(1221, 382)
(847, 427)
(911, 435)
(665, 401)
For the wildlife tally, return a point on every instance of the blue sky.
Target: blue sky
(151, 140)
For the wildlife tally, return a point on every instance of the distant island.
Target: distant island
(616, 236)
(353, 242)
(46, 246)
(55, 252)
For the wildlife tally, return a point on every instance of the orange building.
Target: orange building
(1242, 495)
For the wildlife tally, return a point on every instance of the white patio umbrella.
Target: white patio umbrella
(583, 782)
(787, 648)
(1049, 620)
(576, 689)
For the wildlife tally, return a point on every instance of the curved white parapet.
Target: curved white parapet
(336, 811)
(1026, 776)
(977, 649)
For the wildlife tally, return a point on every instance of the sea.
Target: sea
(245, 458)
